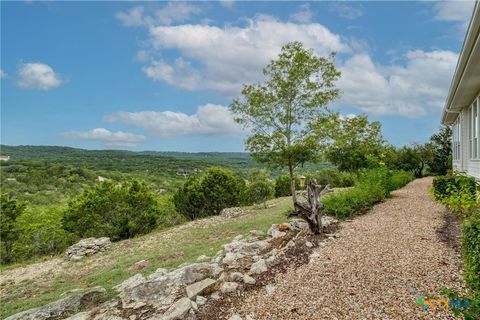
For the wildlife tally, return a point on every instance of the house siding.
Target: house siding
(470, 166)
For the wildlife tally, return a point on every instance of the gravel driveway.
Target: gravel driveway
(378, 267)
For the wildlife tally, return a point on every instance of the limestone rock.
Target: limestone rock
(235, 317)
(248, 280)
(201, 300)
(200, 287)
(236, 276)
(258, 267)
(178, 310)
(162, 290)
(231, 212)
(62, 308)
(228, 287)
(130, 283)
(203, 258)
(87, 247)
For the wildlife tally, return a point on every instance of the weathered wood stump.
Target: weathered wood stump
(311, 211)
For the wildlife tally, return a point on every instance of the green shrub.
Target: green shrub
(471, 252)
(400, 179)
(116, 211)
(458, 192)
(11, 209)
(208, 195)
(282, 186)
(258, 192)
(443, 186)
(334, 177)
(168, 214)
(373, 186)
(40, 233)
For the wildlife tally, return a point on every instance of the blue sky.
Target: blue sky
(160, 75)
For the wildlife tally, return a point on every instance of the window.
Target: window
(473, 129)
(456, 139)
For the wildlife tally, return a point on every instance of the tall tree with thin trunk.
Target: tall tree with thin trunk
(282, 111)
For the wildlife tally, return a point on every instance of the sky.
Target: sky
(161, 75)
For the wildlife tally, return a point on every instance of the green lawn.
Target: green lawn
(165, 248)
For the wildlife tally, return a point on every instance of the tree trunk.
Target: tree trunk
(310, 211)
(292, 184)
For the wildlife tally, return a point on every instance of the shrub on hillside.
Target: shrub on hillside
(168, 214)
(118, 211)
(40, 233)
(282, 186)
(208, 195)
(257, 192)
(471, 253)
(334, 177)
(11, 209)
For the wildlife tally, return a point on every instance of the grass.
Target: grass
(166, 248)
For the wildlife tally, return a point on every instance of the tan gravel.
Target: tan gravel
(377, 268)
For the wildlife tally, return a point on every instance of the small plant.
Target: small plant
(458, 192)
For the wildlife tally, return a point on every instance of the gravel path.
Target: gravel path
(377, 268)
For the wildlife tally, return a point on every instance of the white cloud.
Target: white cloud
(456, 11)
(3, 74)
(111, 139)
(346, 11)
(222, 59)
(303, 15)
(416, 88)
(37, 76)
(227, 3)
(170, 13)
(132, 18)
(209, 119)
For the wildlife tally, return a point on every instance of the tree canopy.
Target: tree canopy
(281, 111)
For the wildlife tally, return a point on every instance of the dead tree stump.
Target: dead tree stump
(311, 211)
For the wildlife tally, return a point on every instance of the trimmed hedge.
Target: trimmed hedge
(471, 253)
(373, 187)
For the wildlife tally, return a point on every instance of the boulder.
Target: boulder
(61, 309)
(178, 310)
(161, 290)
(130, 283)
(228, 287)
(200, 287)
(259, 267)
(87, 247)
(235, 317)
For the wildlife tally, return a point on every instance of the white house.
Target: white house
(462, 108)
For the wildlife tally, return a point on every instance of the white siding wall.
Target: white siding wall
(465, 163)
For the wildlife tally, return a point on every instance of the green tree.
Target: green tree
(281, 111)
(441, 143)
(118, 211)
(11, 210)
(353, 142)
(259, 188)
(208, 195)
